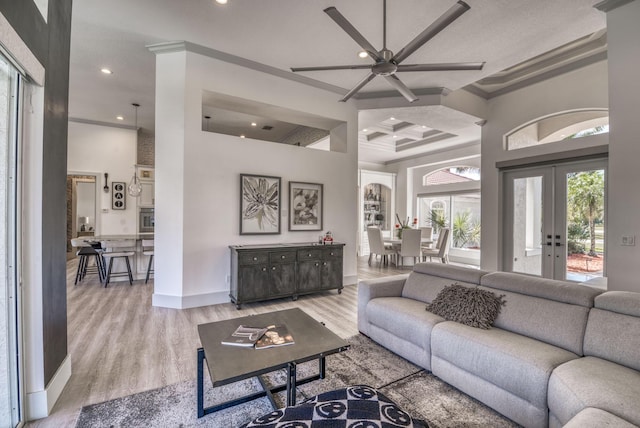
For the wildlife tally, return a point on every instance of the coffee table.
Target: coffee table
(228, 364)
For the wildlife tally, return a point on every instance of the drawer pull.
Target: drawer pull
(309, 254)
(283, 257)
(324, 264)
(264, 269)
(331, 254)
(273, 268)
(255, 259)
(317, 264)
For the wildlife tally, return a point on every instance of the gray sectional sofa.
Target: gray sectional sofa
(558, 354)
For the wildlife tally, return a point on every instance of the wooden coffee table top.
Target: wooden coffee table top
(231, 363)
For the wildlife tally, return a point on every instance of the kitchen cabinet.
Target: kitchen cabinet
(147, 195)
(263, 272)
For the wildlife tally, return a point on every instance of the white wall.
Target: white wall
(623, 33)
(198, 175)
(98, 149)
(583, 88)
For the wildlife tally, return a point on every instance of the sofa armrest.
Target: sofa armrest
(389, 286)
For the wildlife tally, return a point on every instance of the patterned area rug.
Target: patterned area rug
(421, 394)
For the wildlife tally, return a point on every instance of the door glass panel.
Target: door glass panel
(527, 225)
(9, 411)
(585, 214)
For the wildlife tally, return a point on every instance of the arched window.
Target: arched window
(558, 128)
(449, 175)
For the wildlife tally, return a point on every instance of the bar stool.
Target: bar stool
(147, 250)
(85, 252)
(114, 249)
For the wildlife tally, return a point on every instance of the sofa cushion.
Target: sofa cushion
(428, 279)
(621, 302)
(597, 418)
(469, 306)
(552, 322)
(404, 318)
(594, 382)
(515, 363)
(551, 289)
(613, 336)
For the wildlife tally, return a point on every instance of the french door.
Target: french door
(554, 219)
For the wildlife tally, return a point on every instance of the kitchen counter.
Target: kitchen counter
(139, 261)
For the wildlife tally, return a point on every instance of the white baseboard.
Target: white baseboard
(350, 279)
(193, 301)
(40, 403)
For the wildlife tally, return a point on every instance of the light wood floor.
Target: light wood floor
(120, 345)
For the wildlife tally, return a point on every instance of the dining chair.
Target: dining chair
(147, 250)
(84, 253)
(410, 245)
(114, 249)
(377, 246)
(441, 250)
(427, 235)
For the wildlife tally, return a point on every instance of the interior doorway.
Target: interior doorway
(81, 207)
(555, 220)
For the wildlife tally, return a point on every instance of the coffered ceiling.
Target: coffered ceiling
(519, 41)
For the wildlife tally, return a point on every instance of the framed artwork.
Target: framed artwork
(305, 206)
(118, 195)
(259, 205)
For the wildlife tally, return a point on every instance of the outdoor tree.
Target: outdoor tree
(585, 197)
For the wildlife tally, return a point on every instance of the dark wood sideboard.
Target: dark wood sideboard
(262, 272)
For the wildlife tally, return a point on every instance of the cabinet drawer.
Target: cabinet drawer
(253, 258)
(282, 257)
(331, 253)
(309, 254)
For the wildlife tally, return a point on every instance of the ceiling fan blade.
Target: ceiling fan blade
(352, 32)
(402, 88)
(359, 86)
(453, 66)
(331, 67)
(438, 25)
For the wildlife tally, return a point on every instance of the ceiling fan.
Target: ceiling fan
(387, 64)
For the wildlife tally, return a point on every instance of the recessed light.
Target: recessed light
(119, 117)
(242, 136)
(221, 1)
(392, 118)
(106, 71)
(254, 124)
(363, 54)
(364, 130)
(423, 126)
(395, 136)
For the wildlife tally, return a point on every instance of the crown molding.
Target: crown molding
(609, 5)
(99, 123)
(181, 45)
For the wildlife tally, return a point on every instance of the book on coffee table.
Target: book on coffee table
(244, 336)
(276, 335)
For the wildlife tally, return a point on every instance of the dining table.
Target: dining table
(397, 243)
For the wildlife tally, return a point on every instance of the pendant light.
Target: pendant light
(135, 187)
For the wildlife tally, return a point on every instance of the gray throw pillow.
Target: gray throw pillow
(470, 306)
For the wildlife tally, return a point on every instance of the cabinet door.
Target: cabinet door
(147, 195)
(331, 268)
(308, 275)
(331, 276)
(253, 282)
(283, 279)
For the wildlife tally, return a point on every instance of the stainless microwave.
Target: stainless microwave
(147, 220)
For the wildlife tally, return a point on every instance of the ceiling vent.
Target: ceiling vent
(267, 127)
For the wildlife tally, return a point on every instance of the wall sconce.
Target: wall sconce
(106, 186)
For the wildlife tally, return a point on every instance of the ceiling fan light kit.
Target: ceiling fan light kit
(387, 64)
